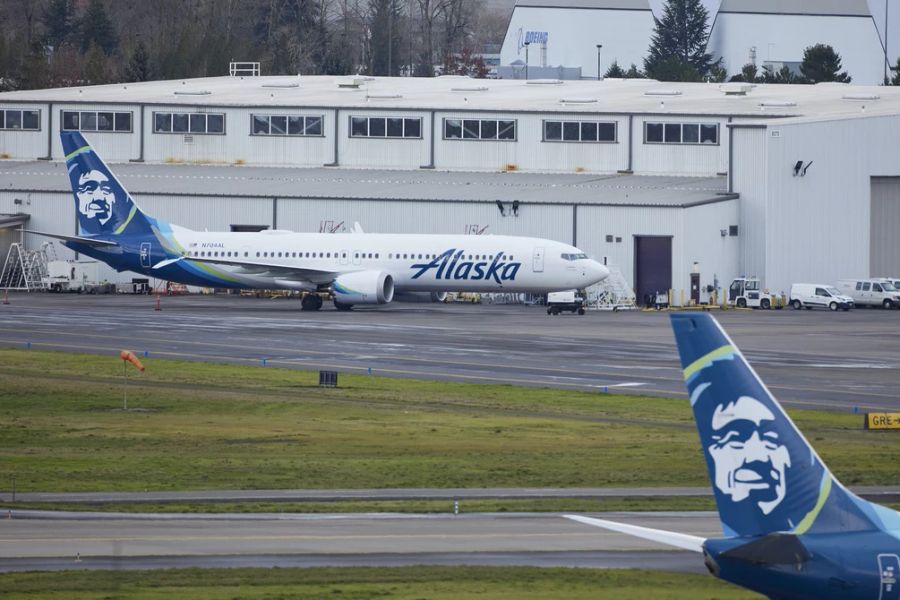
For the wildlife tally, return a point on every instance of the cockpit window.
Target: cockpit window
(570, 256)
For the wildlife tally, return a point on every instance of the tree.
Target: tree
(634, 73)
(465, 63)
(782, 75)
(97, 29)
(138, 68)
(822, 63)
(679, 37)
(385, 27)
(96, 69)
(614, 71)
(895, 80)
(59, 23)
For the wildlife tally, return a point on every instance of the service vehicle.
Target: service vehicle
(747, 292)
(569, 300)
(818, 295)
(871, 292)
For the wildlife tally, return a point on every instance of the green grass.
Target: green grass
(212, 426)
(412, 583)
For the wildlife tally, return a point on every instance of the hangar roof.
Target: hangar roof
(421, 185)
(462, 94)
(833, 8)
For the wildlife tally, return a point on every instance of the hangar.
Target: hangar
(760, 32)
(790, 183)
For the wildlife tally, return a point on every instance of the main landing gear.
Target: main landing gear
(311, 302)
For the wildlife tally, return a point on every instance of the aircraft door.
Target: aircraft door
(538, 260)
(145, 254)
(345, 257)
(889, 573)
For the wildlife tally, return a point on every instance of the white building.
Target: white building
(791, 183)
(774, 32)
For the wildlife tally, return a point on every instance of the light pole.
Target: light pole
(526, 59)
(887, 65)
(599, 62)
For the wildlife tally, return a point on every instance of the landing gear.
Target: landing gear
(342, 306)
(311, 302)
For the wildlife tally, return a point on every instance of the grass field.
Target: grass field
(419, 583)
(205, 426)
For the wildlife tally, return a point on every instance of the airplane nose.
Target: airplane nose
(600, 272)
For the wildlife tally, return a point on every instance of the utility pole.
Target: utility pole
(887, 65)
(599, 62)
(526, 60)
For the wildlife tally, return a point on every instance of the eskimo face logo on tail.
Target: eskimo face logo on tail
(96, 199)
(750, 460)
(455, 265)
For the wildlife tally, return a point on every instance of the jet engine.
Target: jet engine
(363, 287)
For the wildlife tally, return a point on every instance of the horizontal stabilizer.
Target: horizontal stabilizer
(670, 538)
(772, 549)
(73, 238)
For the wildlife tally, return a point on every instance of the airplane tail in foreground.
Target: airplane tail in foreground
(765, 475)
(104, 208)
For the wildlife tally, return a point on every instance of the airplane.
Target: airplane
(791, 530)
(356, 268)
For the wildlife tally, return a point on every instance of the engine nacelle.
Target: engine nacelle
(363, 287)
(420, 297)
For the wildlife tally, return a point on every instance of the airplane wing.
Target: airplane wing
(670, 538)
(72, 238)
(264, 269)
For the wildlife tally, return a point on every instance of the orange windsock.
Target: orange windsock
(129, 356)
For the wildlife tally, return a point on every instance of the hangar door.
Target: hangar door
(652, 267)
(884, 233)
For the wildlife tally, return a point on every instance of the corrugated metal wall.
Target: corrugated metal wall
(680, 159)
(750, 179)
(884, 243)
(704, 243)
(112, 146)
(399, 153)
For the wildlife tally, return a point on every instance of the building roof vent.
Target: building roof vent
(353, 82)
(662, 92)
(282, 84)
(861, 96)
(544, 81)
(777, 103)
(469, 88)
(577, 100)
(736, 88)
(192, 92)
(383, 96)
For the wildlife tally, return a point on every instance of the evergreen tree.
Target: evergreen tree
(59, 23)
(385, 31)
(822, 63)
(895, 80)
(95, 67)
(35, 70)
(97, 29)
(138, 68)
(782, 75)
(681, 35)
(634, 73)
(615, 71)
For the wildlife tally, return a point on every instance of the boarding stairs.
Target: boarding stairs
(26, 270)
(613, 293)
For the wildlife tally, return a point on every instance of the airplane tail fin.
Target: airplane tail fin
(765, 476)
(102, 204)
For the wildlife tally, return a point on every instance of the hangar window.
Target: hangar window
(386, 127)
(580, 131)
(90, 120)
(480, 129)
(193, 123)
(290, 125)
(681, 133)
(20, 119)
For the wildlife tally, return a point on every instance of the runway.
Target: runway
(97, 541)
(838, 361)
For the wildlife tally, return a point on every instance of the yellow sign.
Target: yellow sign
(882, 420)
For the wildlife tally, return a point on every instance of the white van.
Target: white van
(818, 295)
(871, 292)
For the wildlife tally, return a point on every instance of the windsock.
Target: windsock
(129, 356)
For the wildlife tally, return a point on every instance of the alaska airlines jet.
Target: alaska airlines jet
(356, 268)
(792, 531)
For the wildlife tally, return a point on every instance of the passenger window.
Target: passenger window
(876, 288)
(866, 286)
(858, 285)
(821, 292)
